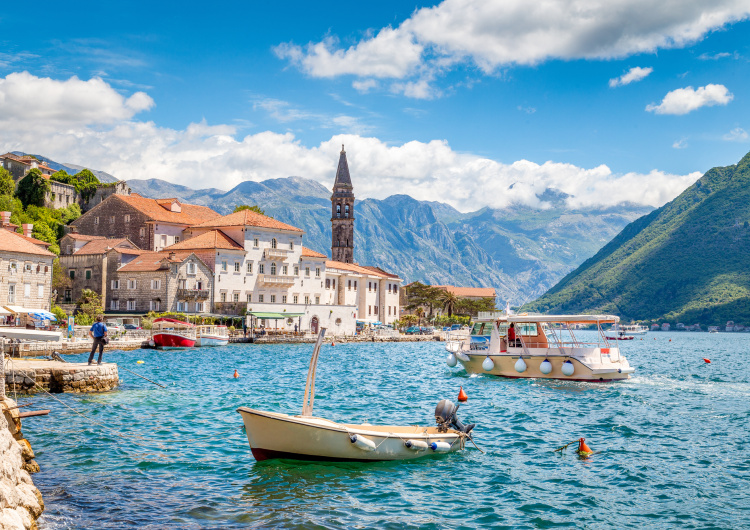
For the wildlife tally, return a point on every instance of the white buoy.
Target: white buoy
(545, 367)
(568, 368)
(361, 442)
(440, 447)
(462, 357)
(451, 360)
(416, 445)
(520, 365)
(488, 364)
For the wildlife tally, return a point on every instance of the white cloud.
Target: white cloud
(285, 112)
(527, 110)
(680, 144)
(631, 76)
(203, 156)
(684, 100)
(717, 56)
(492, 34)
(737, 134)
(364, 86)
(48, 103)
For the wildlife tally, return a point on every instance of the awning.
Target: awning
(4, 312)
(273, 316)
(20, 310)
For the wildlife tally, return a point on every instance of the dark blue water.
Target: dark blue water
(672, 443)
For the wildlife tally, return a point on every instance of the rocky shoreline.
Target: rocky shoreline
(28, 375)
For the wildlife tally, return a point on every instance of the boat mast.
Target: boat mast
(307, 408)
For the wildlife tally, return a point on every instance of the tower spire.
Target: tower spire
(342, 213)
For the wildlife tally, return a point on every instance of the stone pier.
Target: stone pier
(23, 375)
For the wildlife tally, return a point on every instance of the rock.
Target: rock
(31, 466)
(26, 451)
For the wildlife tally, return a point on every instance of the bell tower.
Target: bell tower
(342, 213)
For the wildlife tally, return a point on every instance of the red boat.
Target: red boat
(169, 333)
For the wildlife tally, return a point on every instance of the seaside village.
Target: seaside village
(144, 255)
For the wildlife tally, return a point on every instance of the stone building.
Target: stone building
(25, 271)
(152, 224)
(18, 166)
(163, 281)
(342, 213)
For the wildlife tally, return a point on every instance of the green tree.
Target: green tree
(89, 307)
(60, 278)
(254, 208)
(421, 295)
(33, 188)
(59, 312)
(448, 301)
(7, 184)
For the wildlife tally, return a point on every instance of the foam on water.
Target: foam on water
(671, 443)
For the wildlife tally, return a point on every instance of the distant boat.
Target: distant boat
(169, 333)
(212, 336)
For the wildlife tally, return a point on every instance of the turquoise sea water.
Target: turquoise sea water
(672, 442)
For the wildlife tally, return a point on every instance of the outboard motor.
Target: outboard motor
(445, 416)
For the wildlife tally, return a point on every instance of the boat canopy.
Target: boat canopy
(172, 321)
(562, 319)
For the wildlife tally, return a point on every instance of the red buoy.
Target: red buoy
(236, 375)
(583, 449)
(462, 395)
(707, 361)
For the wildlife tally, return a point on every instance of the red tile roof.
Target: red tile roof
(381, 271)
(150, 261)
(247, 218)
(308, 253)
(83, 237)
(208, 240)
(484, 292)
(353, 267)
(35, 240)
(12, 242)
(191, 214)
(100, 246)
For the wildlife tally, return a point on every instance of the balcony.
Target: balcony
(268, 279)
(192, 294)
(276, 253)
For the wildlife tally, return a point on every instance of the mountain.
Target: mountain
(518, 250)
(688, 261)
(71, 169)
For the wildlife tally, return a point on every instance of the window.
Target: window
(71, 272)
(273, 298)
(223, 297)
(255, 242)
(346, 211)
(199, 285)
(69, 249)
(285, 270)
(127, 219)
(180, 305)
(273, 242)
(176, 239)
(249, 267)
(296, 270)
(235, 297)
(283, 299)
(291, 245)
(156, 304)
(249, 298)
(27, 290)
(261, 268)
(395, 289)
(369, 286)
(223, 266)
(236, 266)
(96, 220)
(40, 290)
(27, 266)
(349, 285)
(355, 285)
(260, 298)
(295, 299)
(163, 240)
(317, 272)
(156, 284)
(273, 269)
(191, 268)
(389, 288)
(111, 219)
(199, 307)
(12, 293)
(376, 310)
(181, 284)
(338, 210)
(88, 274)
(389, 310)
(369, 310)
(333, 283)
(374, 286)
(115, 284)
(131, 305)
(114, 305)
(307, 299)
(328, 283)
(142, 232)
(132, 284)
(307, 271)
(317, 300)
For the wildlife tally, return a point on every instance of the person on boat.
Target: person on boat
(98, 332)
(512, 341)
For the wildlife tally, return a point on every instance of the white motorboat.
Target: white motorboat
(306, 437)
(212, 336)
(546, 347)
(30, 334)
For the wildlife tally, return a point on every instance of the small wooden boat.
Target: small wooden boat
(306, 437)
(169, 333)
(212, 336)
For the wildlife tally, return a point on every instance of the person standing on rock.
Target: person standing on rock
(98, 332)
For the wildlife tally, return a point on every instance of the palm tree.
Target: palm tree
(449, 302)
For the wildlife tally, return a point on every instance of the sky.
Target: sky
(470, 102)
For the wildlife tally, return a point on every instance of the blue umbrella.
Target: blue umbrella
(43, 315)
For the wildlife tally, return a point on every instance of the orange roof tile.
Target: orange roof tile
(150, 261)
(308, 253)
(34, 240)
(381, 271)
(100, 246)
(207, 240)
(12, 242)
(353, 267)
(484, 292)
(83, 237)
(247, 218)
(191, 214)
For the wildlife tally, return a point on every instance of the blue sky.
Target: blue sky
(452, 101)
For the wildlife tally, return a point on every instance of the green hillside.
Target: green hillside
(688, 261)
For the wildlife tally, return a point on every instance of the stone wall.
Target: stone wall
(29, 269)
(105, 191)
(21, 502)
(61, 195)
(56, 377)
(108, 219)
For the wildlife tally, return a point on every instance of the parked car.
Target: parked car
(132, 326)
(414, 330)
(428, 330)
(455, 327)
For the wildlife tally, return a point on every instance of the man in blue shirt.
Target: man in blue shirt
(98, 332)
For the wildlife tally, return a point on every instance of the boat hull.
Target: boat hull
(208, 340)
(30, 334)
(505, 366)
(173, 341)
(273, 435)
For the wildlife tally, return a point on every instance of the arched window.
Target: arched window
(273, 243)
(273, 268)
(347, 241)
(291, 245)
(346, 211)
(338, 210)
